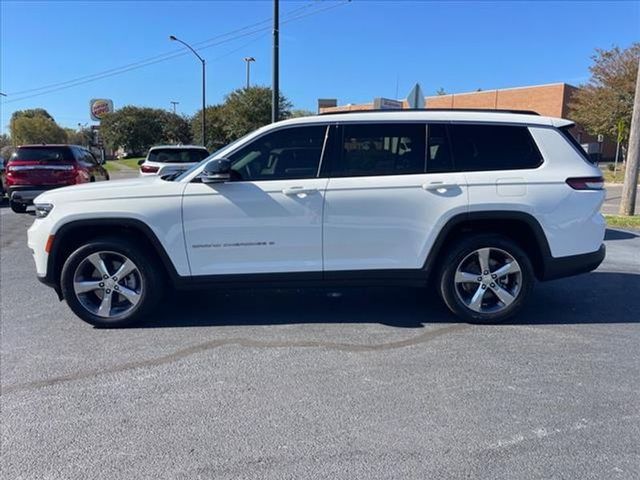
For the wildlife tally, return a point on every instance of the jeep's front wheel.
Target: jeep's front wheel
(486, 279)
(110, 283)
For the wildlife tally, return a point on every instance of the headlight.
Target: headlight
(43, 209)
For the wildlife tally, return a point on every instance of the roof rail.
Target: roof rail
(396, 110)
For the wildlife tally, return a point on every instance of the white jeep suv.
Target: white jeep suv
(480, 203)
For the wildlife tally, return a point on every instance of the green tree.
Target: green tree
(175, 128)
(604, 105)
(82, 137)
(30, 113)
(216, 135)
(137, 128)
(301, 113)
(441, 91)
(35, 126)
(5, 140)
(133, 128)
(247, 109)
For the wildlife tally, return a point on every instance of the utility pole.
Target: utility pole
(630, 187)
(174, 105)
(275, 87)
(249, 60)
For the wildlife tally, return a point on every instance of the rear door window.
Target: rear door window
(177, 155)
(380, 149)
(493, 147)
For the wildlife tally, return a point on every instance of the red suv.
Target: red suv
(32, 169)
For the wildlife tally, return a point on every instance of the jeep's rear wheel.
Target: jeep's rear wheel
(110, 283)
(486, 279)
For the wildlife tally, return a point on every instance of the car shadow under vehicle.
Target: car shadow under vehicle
(611, 234)
(598, 297)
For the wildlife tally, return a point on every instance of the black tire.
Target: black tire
(151, 277)
(462, 250)
(18, 207)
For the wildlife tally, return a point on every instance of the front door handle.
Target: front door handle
(297, 190)
(438, 185)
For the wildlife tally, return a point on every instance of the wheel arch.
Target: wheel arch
(72, 235)
(520, 227)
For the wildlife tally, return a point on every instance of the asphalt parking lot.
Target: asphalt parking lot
(346, 384)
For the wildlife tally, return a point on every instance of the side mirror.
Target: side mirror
(216, 171)
(140, 162)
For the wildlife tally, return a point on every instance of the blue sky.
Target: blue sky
(354, 52)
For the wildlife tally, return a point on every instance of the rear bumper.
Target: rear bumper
(26, 193)
(573, 265)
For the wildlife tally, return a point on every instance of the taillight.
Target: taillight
(149, 169)
(586, 183)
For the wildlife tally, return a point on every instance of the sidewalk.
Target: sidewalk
(612, 201)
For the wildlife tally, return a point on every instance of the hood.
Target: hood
(151, 186)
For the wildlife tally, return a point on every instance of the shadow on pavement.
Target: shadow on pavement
(619, 235)
(598, 297)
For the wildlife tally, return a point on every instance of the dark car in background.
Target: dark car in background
(33, 169)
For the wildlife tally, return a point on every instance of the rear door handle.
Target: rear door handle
(438, 185)
(297, 190)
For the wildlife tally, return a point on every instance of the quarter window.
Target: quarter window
(493, 147)
(284, 154)
(381, 149)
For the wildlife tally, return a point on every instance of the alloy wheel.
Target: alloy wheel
(108, 284)
(488, 280)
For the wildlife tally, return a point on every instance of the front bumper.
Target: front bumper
(573, 265)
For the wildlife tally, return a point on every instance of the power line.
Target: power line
(167, 56)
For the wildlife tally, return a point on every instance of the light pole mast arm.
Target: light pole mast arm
(176, 39)
(204, 102)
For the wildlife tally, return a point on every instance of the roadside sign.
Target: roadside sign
(99, 107)
(97, 138)
(386, 104)
(416, 97)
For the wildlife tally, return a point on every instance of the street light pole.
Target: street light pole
(249, 60)
(174, 105)
(204, 115)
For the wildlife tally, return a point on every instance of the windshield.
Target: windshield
(177, 155)
(42, 154)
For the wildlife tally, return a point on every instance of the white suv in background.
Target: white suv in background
(481, 204)
(165, 159)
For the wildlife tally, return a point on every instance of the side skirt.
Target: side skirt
(308, 279)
